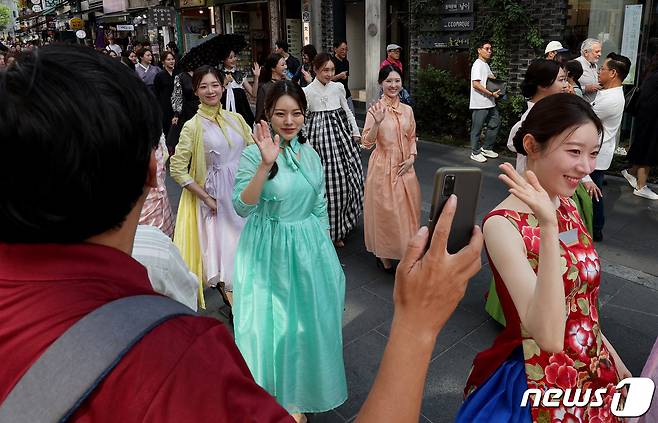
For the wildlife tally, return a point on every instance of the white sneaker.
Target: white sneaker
(646, 193)
(489, 153)
(632, 180)
(478, 158)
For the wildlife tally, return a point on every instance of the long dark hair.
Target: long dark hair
(266, 71)
(310, 51)
(553, 115)
(540, 73)
(276, 91)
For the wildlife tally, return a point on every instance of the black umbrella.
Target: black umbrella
(211, 51)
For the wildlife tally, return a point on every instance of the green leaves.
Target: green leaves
(439, 88)
(5, 17)
(583, 288)
(532, 221)
(534, 371)
(544, 417)
(583, 305)
(505, 19)
(573, 273)
(530, 348)
(578, 364)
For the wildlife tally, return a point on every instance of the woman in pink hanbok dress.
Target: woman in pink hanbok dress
(156, 210)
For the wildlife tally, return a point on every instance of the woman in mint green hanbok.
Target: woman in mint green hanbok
(289, 287)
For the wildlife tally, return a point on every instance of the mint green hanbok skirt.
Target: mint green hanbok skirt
(289, 286)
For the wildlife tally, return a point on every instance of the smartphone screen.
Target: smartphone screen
(465, 183)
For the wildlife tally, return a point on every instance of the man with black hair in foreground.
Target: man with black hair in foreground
(80, 168)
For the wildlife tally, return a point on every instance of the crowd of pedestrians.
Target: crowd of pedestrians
(267, 199)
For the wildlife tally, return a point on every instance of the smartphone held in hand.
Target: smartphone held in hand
(465, 183)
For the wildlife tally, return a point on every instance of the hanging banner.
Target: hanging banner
(161, 16)
(631, 38)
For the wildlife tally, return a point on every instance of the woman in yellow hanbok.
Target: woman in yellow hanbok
(205, 162)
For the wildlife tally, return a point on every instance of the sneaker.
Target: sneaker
(632, 180)
(489, 153)
(646, 193)
(478, 157)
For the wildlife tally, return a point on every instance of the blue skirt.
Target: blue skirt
(498, 399)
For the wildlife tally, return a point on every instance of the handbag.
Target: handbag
(497, 84)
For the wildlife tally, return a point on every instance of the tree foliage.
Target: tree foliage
(441, 102)
(507, 18)
(5, 17)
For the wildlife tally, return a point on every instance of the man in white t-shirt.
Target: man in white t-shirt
(483, 106)
(590, 53)
(609, 107)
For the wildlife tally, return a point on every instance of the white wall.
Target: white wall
(355, 17)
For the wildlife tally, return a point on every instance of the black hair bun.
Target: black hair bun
(518, 140)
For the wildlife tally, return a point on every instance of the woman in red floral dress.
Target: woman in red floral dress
(547, 274)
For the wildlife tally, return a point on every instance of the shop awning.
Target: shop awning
(113, 17)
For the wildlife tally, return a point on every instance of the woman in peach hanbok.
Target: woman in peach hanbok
(392, 192)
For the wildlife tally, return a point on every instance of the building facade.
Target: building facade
(11, 27)
(629, 27)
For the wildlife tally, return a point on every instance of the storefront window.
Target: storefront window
(616, 23)
(252, 21)
(196, 26)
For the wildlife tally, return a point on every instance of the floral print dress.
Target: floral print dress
(585, 361)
